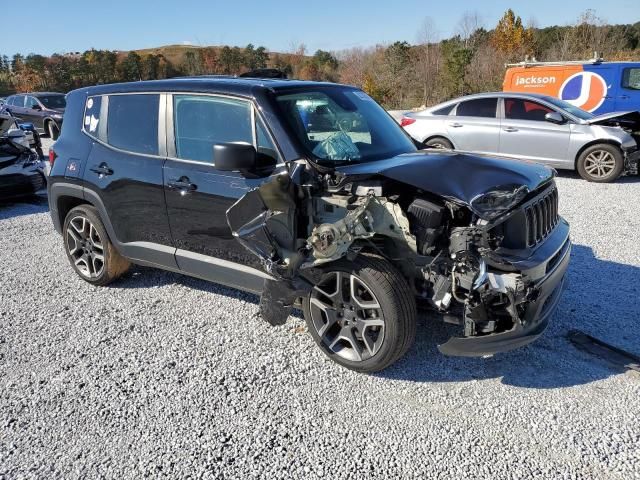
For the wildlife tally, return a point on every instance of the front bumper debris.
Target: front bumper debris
(632, 163)
(537, 314)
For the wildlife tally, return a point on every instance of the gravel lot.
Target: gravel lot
(161, 375)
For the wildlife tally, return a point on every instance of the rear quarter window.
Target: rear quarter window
(91, 119)
(132, 123)
(444, 110)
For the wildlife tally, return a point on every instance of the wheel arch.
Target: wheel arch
(65, 203)
(64, 196)
(438, 135)
(601, 141)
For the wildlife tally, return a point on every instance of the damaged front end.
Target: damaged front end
(492, 263)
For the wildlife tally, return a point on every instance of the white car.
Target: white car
(533, 127)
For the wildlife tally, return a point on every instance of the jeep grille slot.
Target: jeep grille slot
(542, 217)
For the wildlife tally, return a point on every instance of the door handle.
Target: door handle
(510, 129)
(103, 169)
(183, 184)
(456, 125)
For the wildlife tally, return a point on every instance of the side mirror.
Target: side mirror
(555, 117)
(36, 107)
(230, 157)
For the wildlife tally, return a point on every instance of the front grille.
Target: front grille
(541, 216)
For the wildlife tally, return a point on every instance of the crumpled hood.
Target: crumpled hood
(455, 175)
(630, 119)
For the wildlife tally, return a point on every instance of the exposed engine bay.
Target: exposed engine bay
(307, 220)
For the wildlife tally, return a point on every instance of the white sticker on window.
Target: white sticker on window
(90, 103)
(87, 120)
(93, 124)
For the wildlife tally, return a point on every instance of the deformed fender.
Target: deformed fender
(264, 221)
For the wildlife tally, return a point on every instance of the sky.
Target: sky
(77, 25)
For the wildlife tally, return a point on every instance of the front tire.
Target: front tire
(602, 163)
(88, 248)
(362, 314)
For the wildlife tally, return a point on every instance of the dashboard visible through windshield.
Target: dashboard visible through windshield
(338, 126)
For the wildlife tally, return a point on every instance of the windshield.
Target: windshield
(53, 101)
(339, 125)
(572, 109)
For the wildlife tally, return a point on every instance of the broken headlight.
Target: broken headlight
(494, 203)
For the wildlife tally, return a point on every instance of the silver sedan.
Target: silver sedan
(533, 127)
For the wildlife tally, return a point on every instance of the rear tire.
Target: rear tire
(439, 142)
(362, 314)
(88, 248)
(52, 130)
(601, 163)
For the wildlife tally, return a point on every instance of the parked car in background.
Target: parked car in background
(310, 191)
(44, 109)
(21, 167)
(594, 85)
(533, 127)
(32, 137)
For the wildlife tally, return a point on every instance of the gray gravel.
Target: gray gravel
(161, 375)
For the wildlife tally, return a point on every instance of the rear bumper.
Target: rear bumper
(533, 323)
(17, 185)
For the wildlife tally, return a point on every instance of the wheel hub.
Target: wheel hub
(85, 247)
(599, 163)
(347, 316)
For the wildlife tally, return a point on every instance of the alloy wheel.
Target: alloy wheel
(347, 316)
(599, 164)
(85, 247)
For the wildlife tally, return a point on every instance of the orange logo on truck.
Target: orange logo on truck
(585, 90)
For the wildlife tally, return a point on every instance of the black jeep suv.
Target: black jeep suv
(226, 180)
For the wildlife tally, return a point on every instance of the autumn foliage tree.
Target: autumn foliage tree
(511, 38)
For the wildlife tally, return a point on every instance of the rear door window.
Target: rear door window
(201, 121)
(31, 102)
(479, 107)
(521, 109)
(132, 123)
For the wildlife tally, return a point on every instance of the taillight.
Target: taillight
(404, 121)
(52, 157)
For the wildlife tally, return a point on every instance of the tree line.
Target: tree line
(399, 75)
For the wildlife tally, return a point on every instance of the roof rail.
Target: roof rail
(532, 62)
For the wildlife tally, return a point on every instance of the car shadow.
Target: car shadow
(11, 208)
(574, 175)
(600, 299)
(149, 277)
